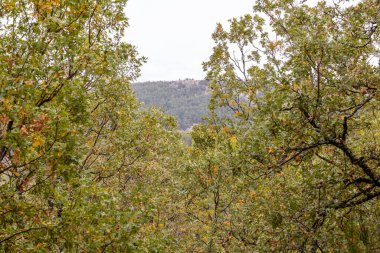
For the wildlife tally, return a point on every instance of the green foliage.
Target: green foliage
(296, 168)
(81, 166)
(303, 83)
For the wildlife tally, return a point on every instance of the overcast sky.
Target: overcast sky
(175, 35)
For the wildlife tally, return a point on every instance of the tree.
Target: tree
(303, 80)
(75, 147)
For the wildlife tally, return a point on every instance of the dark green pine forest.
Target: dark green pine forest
(287, 158)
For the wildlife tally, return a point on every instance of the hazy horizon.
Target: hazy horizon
(176, 35)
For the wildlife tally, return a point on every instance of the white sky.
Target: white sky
(175, 35)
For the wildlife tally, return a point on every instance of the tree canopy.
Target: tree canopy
(296, 168)
(302, 80)
(79, 162)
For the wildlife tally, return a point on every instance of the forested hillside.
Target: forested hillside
(295, 167)
(187, 99)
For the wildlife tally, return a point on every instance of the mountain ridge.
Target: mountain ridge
(185, 99)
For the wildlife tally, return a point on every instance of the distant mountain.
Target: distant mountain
(185, 99)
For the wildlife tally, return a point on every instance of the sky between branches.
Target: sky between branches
(175, 35)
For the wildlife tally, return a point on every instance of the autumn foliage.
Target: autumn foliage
(295, 166)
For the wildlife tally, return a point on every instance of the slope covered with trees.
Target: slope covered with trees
(187, 99)
(84, 168)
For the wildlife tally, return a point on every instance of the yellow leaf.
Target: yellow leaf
(15, 173)
(233, 142)
(216, 169)
(38, 142)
